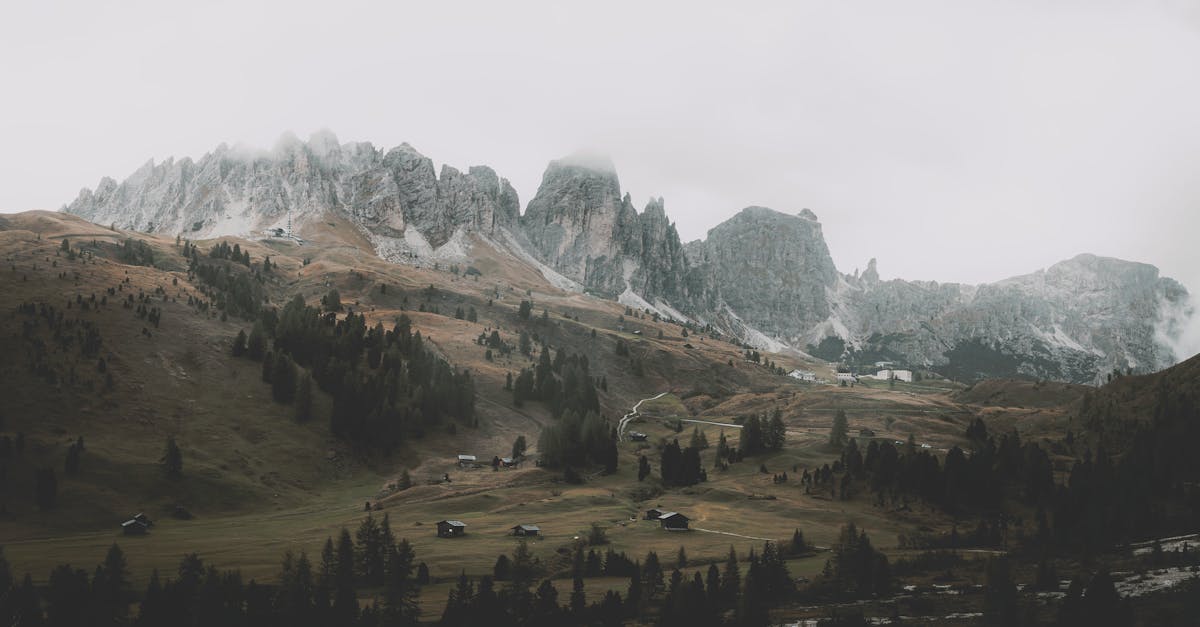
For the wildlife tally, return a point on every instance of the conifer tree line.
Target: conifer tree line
(961, 483)
(133, 252)
(681, 466)
(1151, 490)
(386, 385)
(512, 596)
(761, 434)
(235, 291)
(575, 440)
(306, 594)
(564, 383)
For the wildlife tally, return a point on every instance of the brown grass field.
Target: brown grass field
(260, 484)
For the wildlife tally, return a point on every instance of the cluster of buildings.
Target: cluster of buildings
(457, 528)
(885, 372)
(669, 521)
(470, 461)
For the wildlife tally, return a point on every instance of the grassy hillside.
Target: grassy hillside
(258, 482)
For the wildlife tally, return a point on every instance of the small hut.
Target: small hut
(526, 530)
(451, 528)
(134, 527)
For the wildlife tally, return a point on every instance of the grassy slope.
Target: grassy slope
(259, 483)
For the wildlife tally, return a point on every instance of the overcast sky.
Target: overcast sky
(956, 141)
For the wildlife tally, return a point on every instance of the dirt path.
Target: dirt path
(633, 414)
(727, 533)
(709, 422)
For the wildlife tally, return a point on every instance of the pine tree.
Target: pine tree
(840, 430)
(400, 591)
(652, 575)
(643, 468)
(731, 581)
(256, 344)
(578, 600)
(239, 344)
(1000, 594)
(72, 463)
(304, 399)
(268, 366)
(345, 601)
(776, 432)
(332, 301)
(172, 460)
(502, 570)
(370, 551)
(798, 546)
(110, 588)
(524, 566)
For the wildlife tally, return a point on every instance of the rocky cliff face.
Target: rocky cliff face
(770, 269)
(580, 224)
(1075, 321)
(234, 191)
(763, 276)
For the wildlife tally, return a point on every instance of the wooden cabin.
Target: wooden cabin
(451, 528)
(526, 530)
(673, 521)
(134, 527)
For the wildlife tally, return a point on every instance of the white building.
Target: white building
(848, 377)
(803, 375)
(899, 375)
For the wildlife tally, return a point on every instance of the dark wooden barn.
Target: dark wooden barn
(451, 528)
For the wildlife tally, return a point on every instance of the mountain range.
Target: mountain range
(763, 276)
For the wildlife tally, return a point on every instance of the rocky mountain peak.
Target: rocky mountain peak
(765, 276)
(575, 219)
(324, 143)
(870, 275)
(772, 268)
(245, 191)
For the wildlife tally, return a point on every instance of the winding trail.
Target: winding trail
(633, 414)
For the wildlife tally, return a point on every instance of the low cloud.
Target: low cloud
(1179, 327)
